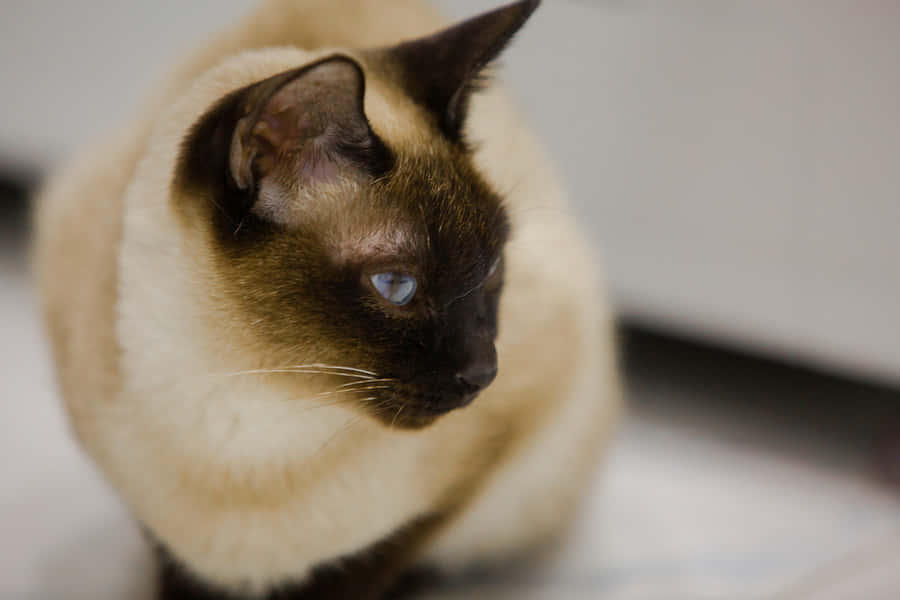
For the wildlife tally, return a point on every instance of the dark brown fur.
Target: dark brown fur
(374, 573)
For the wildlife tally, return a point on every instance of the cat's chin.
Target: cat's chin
(417, 413)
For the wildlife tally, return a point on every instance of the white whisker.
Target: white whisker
(349, 390)
(399, 410)
(299, 371)
(354, 383)
(334, 435)
(325, 366)
(337, 401)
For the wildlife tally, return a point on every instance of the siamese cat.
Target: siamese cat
(320, 315)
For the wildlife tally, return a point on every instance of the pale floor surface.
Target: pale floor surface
(693, 504)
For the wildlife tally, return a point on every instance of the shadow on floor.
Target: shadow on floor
(14, 193)
(745, 398)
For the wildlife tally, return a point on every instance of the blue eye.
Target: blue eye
(396, 288)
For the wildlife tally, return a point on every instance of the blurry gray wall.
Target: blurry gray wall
(738, 162)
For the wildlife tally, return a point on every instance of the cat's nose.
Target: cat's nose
(477, 376)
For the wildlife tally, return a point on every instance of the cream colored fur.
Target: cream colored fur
(245, 482)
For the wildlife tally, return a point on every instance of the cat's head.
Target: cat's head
(338, 245)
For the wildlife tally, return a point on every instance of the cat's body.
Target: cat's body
(252, 480)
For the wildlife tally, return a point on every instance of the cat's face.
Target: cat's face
(337, 247)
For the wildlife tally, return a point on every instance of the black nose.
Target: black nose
(477, 376)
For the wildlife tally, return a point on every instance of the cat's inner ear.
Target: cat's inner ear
(299, 131)
(441, 71)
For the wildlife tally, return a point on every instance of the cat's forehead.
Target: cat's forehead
(442, 197)
(379, 241)
(432, 211)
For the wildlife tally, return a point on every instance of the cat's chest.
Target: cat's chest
(246, 487)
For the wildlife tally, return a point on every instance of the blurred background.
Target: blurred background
(737, 163)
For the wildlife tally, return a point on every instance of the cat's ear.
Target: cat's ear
(266, 144)
(441, 71)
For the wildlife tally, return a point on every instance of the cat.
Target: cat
(320, 314)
